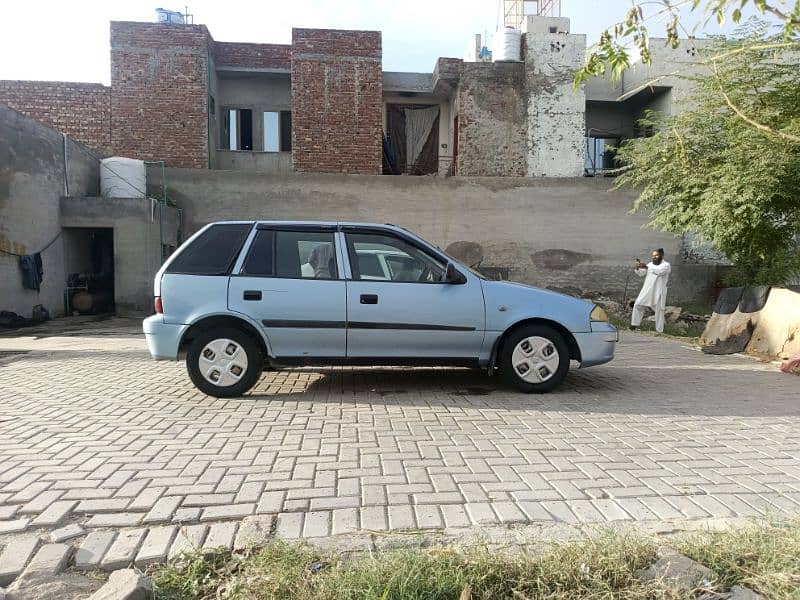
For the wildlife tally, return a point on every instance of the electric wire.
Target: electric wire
(99, 160)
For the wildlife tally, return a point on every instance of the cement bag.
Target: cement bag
(122, 178)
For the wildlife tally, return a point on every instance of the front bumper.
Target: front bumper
(598, 346)
(163, 339)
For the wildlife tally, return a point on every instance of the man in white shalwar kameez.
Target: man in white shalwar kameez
(654, 291)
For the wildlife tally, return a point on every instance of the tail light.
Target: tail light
(159, 305)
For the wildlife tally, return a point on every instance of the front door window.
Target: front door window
(377, 257)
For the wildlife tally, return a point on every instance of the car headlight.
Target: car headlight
(598, 314)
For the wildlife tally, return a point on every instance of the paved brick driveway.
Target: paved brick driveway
(91, 430)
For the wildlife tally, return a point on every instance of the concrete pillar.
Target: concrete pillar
(556, 113)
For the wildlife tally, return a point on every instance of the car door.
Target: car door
(408, 312)
(290, 283)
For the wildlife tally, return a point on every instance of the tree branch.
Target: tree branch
(760, 126)
(781, 15)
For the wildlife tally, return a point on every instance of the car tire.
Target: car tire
(224, 362)
(534, 359)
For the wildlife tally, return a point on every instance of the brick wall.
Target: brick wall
(80, 110)
(258, 56)
(159, 92)
(337, 99)
(492, 120)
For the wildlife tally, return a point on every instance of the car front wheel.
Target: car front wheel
(534, 359)
(224, 362)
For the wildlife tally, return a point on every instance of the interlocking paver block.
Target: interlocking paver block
(560, 510)
(207, 499)
(93, 548)
(123, 550)
(163, 510)
(51, 559)
(68, 532)
(188, 539)
(289, 525)
(610, 509)
(344, 520)
(455, 516)
(15, 556)
(187, 515)
(387, 443)
(253, 531)
(102, 505)
(115, 520)
(227, 511)
(155, 547)
(220, 535)
(317, 524)
(481, 513)
(401, 517)
(41, 502)
(14, 525)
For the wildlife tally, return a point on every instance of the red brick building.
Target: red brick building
(323, 104)
(179, 96)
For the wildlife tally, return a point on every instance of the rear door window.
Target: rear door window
(213, 252)
(305, 255)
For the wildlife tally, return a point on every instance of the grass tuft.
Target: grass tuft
(599, 567)
(764, 556)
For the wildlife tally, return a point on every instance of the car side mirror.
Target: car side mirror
(453, 275)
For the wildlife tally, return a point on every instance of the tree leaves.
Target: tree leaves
(709, 172)
(631, 32)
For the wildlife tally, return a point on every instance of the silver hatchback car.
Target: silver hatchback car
(241, 297)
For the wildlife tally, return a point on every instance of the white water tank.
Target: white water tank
(164, 15)
(507, 45)
(122, 177)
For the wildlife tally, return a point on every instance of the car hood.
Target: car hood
(515, 289)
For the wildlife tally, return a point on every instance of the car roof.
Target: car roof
(320, 223)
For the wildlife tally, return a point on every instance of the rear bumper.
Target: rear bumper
(163, 339)
(598, 346)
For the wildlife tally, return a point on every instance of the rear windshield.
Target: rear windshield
(213, 252)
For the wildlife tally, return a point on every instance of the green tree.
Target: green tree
(630, 35)
(728, 166)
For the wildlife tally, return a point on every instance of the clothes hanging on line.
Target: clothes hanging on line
(32, 271)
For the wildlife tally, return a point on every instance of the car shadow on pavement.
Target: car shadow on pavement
(673, 390)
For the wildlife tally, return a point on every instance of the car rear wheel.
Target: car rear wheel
(224, 362)
(534, 359)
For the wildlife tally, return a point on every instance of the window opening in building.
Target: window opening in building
(600, 159)
(286, 131)
(272, 133)
(239, 129)
(411, 140)
(277, 131)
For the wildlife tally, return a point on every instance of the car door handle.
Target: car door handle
(369, 298)
(252, 294)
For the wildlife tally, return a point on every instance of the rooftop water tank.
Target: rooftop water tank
(164, 15)
(507, 45)
(122, 178)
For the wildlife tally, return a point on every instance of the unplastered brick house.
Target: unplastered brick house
(323, 104)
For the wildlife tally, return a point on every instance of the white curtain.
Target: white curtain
(418, 127)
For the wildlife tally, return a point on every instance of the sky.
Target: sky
(55, 40)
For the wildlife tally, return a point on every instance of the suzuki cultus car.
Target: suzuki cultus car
(240, 297)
